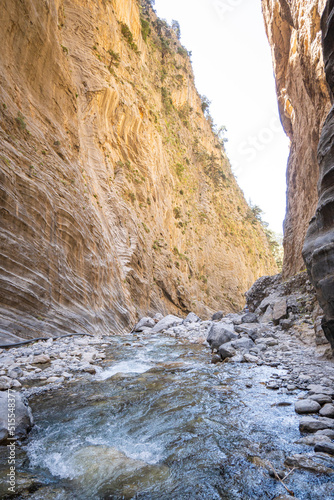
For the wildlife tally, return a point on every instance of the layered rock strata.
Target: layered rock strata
(117, 198)
(319, 244)
(293, 30)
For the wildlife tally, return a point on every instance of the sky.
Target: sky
(233, 68)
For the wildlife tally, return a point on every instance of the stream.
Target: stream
(159, 421)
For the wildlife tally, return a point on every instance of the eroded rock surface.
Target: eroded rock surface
(117, 199)
(293, 30)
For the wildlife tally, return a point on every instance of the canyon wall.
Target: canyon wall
(117, 198)
(294, 34)
(319, 244)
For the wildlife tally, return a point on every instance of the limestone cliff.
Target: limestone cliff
(117, 199)
(319, 244)
(293, 30)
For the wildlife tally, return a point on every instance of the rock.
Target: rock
(242, 344)
(5, 383)
(310, 424)
(261, 289)
(313, 439)
(219, 334)
(15, 372)
(217, 316)
(192, 318)
(280, 310)
(327, 411)
(286, 324)
(320, 398)
(52, 380)
(310, 462)
(166, 322)
(235, 318)
(144, 323)
(306, 406)
(23, 416)
(320, 389)
(238, 358)
(89, 369)
(324, 447)
(249, 358)
(273, 385)
(216, 359)
(326, 432)
(268, 315)
(226, 350)
(158, 317)
(249, 318)
(285, 497)
(88, 357)
(41, 359)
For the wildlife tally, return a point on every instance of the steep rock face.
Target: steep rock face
(293, 30)
(318, 250)
(117, 199)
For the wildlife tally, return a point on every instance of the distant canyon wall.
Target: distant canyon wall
(294, 33)
(117, 199)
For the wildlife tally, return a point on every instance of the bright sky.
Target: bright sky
(233, 68)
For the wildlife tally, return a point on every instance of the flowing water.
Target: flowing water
(161, 422)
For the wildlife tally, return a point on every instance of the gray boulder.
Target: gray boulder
(244, 343)
(23, 417)
(324, 448)
(227, 351)
(144, 323)
(167, 322)
(307, 406)
(280, 310)
(327, 411)
(219, 334)
(249, 318)
(192, 318)
(217, 316)
(309, 424)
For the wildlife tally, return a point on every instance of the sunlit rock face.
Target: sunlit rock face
(293, 30)
(319, 244)
(117, 199)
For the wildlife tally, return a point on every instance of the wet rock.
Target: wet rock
(313, 439)
(324, 447)
(227, 350)
(192, 318)
(144, 323)
(249, 318)
(326, 432)
(217, 316)
(327, 411)
(23, 417)
(320, 398)
(310, 424)
(314, 463)
(273, 385)
(219, 334)
(216, 359)
(166, 323)
(249, 358)
(320, 389)
(307, 406)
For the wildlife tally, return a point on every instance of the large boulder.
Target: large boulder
(13, 405)
(220, 333)
(192, 318)
(144, 323)
(167, 322)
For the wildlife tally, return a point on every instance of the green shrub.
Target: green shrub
(182, 52)
(145, 28)
(114, 58)
(20, 121)
(128, 36)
